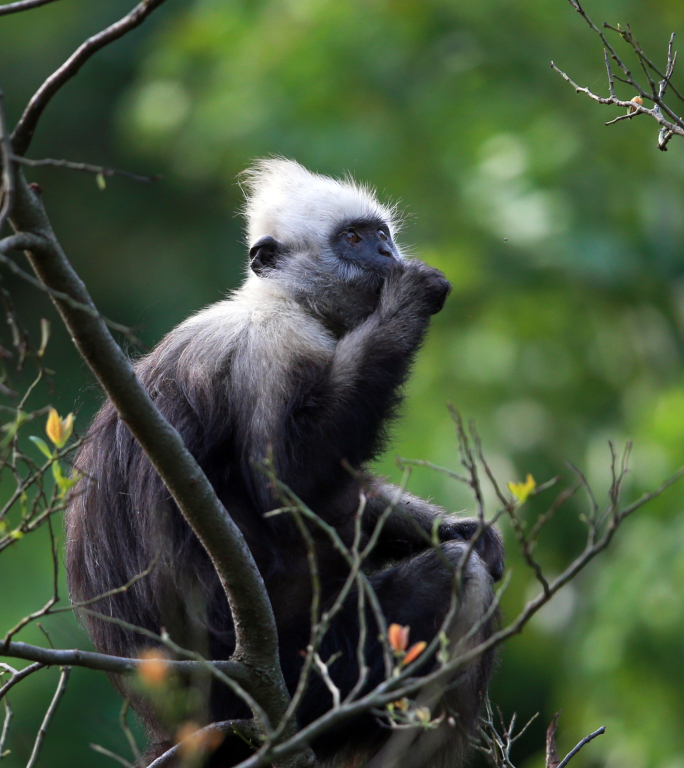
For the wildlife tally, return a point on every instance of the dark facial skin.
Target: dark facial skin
(366, 244)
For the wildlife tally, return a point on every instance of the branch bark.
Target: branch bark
(117, 665)
(23, 133)
(256, 636)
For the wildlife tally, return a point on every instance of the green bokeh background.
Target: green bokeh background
(562, 238)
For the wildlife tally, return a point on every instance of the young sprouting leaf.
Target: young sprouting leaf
(414, 652)
(398, 637)
(521, 491)
(42, 445)
(101, 183)
(59, 430)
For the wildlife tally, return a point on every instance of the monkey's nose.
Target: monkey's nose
(384, 251)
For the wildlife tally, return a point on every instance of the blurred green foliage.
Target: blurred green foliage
(562, 238)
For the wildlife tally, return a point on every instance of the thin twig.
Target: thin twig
(19, 675)
(22, 5)
(23, 133)
(42, 731)
(108, 753)
(24, 241)
(130, 738)
(611, 83)
(5, 729)
(99, 170)
(49, 610)
(675, 124)
(7, 179)
(640, 53)
(584, 741)
(226, 726)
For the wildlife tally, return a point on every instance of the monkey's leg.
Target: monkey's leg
(415, 593)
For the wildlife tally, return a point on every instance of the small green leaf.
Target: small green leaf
(17, 535)
(101, 183)
(42, 445)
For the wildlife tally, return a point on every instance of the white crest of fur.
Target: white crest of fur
(295, 206)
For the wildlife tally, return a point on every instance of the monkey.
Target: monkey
(305, 362)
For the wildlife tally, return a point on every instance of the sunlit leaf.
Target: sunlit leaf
(521, 491)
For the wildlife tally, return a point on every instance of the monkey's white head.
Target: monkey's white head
(296, 207)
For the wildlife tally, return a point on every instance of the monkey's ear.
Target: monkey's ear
(264, 253)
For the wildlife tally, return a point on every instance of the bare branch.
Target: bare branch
(6, 168)
(611, 83)
(130, 738)
(23, 133)
(29, 242)
(48, 608)
(245, 728)
(119, 665)
(99, 170)
(19, 675)
(584, 741)
(40, 737)
(22, 5)
(108, 753)
(671, 125)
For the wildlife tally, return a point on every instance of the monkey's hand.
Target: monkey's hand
(489, 545)
(413, 285)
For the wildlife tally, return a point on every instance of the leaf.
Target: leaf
(42, 445)
(57, 429)
(101, 183)
(44, 335)
(65, 484)
(414, 652)
(521, 491)
(398, 637)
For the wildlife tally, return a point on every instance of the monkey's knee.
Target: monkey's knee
(489, 544)
(466, 560)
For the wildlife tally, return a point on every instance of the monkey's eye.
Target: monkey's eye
(383, 235)
(353, 236)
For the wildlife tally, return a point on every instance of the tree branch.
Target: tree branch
(256, 637)
(576, 749)
(118, 665)
(22, 5)
(40, 737)
(23, 133)
(99, 170)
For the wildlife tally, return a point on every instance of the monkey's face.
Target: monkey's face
(367, 245)
(338, 278)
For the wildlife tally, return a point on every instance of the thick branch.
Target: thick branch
(257, 642)
(23, 133)
(117, 665)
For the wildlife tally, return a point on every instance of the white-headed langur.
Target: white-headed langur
(305, 362)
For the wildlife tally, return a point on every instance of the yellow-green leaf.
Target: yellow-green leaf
(521, 491)
(57, 429)
(42, 445)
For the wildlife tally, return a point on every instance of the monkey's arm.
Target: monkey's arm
(409, 527)
(342, 405)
